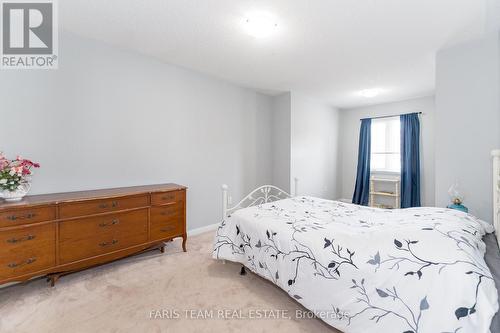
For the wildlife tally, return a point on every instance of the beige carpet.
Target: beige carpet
(121, 296)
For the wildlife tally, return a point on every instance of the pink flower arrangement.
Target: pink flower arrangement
(14, 173)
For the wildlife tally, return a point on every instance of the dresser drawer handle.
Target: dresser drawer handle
(20, 264)
(22, 239)
(21, 217)
(113, 222)
(113, 242)
(168, 197)
(168, 212)
(106, 205)
(167, 229)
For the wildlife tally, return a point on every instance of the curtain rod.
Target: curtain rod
(396, 115)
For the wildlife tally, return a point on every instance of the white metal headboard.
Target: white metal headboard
(496, 192)
(263, 194)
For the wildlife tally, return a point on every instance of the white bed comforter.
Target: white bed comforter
(369, 270)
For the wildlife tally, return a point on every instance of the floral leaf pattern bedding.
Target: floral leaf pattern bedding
(366, 269)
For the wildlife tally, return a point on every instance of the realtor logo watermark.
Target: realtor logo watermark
(29, 34)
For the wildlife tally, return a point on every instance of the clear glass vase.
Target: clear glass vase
(16, 195)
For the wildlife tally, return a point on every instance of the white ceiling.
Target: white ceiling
(329, 49)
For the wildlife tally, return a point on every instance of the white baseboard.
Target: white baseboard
(197, 231)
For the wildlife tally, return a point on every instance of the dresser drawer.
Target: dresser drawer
(27, 250)
(167, 227)
(75, 209)
(88, 237)
(159, 213)
(165, 198)
(25, 216)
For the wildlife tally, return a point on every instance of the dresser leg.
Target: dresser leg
(53, 279)
(162, 249)
(184, 239)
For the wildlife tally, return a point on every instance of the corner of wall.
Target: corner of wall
(281, 141)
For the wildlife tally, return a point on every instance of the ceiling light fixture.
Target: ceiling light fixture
(260, 25)
(370, 93)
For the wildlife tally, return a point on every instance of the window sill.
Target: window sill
(388, 173)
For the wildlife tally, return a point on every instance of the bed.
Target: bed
(364, 269)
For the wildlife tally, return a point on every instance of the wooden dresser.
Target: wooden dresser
(56, 234)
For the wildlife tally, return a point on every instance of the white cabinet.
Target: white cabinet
(384, 192)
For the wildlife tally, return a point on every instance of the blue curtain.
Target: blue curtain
(362, 189)
(410, 160)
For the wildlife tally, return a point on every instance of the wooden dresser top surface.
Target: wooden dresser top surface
(55, 198)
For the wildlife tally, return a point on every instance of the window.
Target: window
(385, 145)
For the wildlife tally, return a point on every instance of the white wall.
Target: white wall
(492, 13)
(111, 118)
(281, 137)
(314, 146)
(468, 118)
(349, 131)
